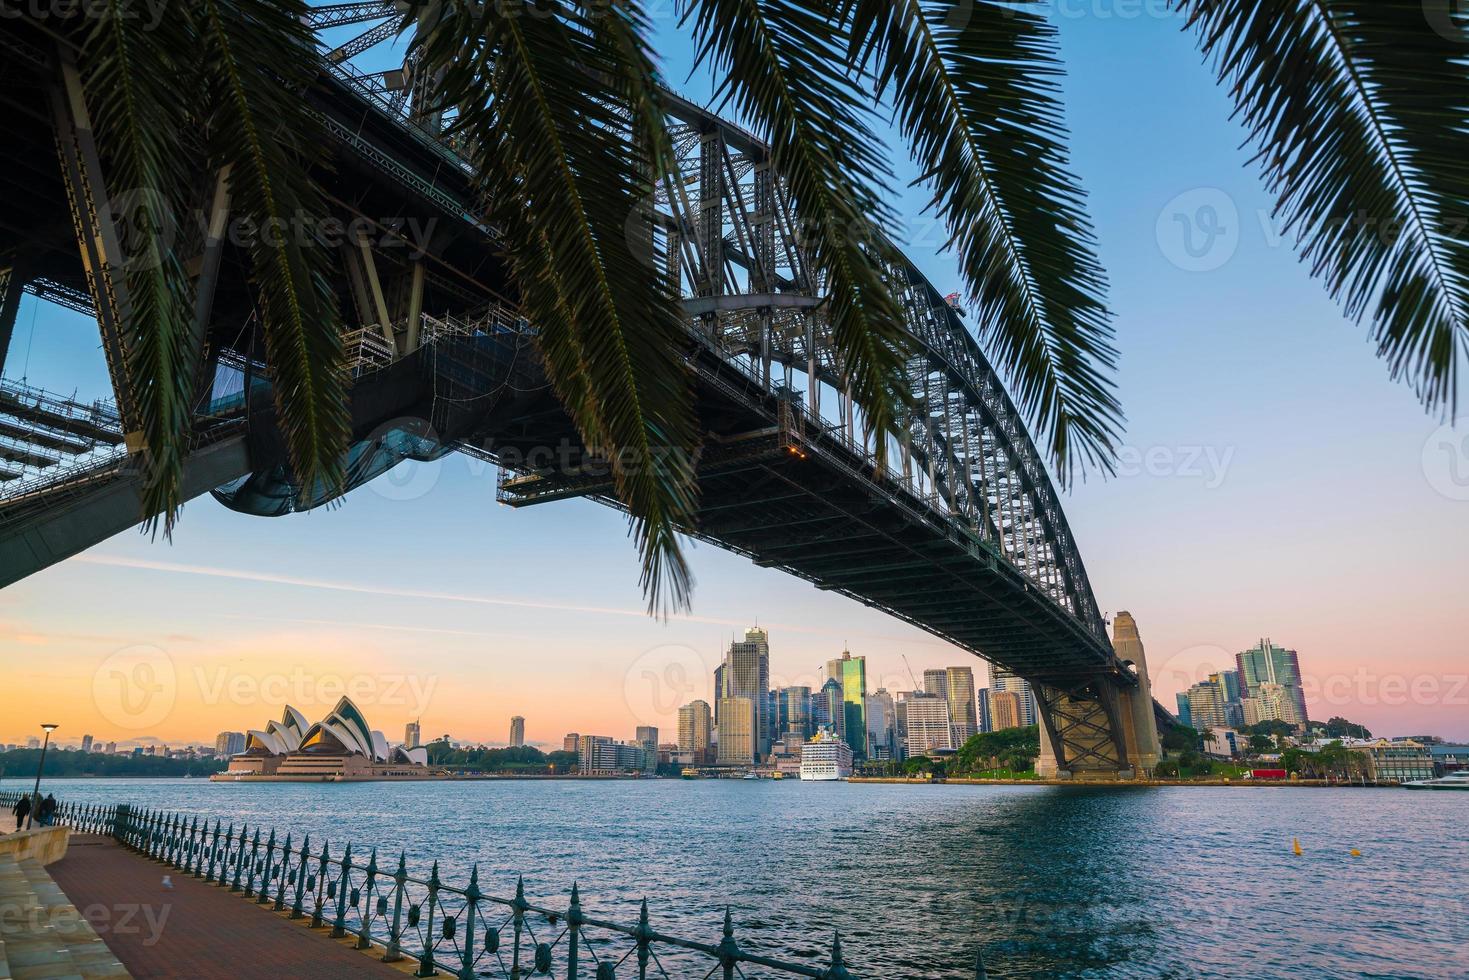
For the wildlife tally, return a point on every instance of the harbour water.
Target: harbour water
(1158, 882)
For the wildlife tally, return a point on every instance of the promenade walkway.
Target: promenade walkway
(197, 930)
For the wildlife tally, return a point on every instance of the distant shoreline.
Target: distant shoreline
(1263, 783)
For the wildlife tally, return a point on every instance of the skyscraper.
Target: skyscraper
(881, 726)
(1004, 680)
(982, 702)
(694, 726)
(87, 743)
(1266, 663)
(793, 712)
(517, 732)
(1004, 710)
(851, 674)
(412, 739)
(929, 725)
(228, 743)
(962, 713)
(738, 736)
(936, 682)
(747, 675)
(647, 739)
(1207, 706)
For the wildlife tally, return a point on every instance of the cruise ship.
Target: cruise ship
(826, 758)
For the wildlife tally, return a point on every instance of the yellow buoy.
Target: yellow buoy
(1356, 853)
(1296, 845)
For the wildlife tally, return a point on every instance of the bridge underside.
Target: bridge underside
(973, 548)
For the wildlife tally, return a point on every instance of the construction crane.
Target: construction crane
(911, 676)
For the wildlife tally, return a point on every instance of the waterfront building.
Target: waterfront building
(930, 729)
(412, 735)
(962, 713)
(695, 724)
(738, 732)
(570, 742)
(1448, 758)
(600, 755)
(826, 758)
(851, 674)
(1266, 663)
(1394, 761)
(793, 712)
(225, 743)
(1005, 710)
(1004, 680)
(936, 682)
(881, 726)
(647, 740)
(342, 747)
(747, 675)
(517, 732)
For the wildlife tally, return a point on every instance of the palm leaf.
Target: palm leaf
(976, 98)
(549, 104)
(782, 65)
(260, 57)
(1359, 110)
(130, 74)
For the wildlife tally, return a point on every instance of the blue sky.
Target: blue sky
(1275, 483)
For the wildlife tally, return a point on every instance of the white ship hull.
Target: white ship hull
(822, 777)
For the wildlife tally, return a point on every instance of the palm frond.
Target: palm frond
(782, 65)
(975, 95)
(260, 57)
(130, 73)
(545, 99)
(1359, 110)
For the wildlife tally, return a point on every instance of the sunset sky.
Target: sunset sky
(1275, 483)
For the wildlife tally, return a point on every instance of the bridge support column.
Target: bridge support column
(1140, 724)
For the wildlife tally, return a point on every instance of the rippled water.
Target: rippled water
(1043, 881)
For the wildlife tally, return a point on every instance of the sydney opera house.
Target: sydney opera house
(341, 747)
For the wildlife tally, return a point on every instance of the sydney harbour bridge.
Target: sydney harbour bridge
(960, 532)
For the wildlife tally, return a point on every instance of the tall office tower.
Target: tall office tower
(982, 704)
(833, 703)
(87, 743)
(929, 726)
(647, 739)
(793, 712)
(747, 675)
(226, 743)
(882, 727)
(936, 682)
(1005, 710)
(111, 748)
(738, 732)
(1266, 663)
(851, 673)
(412, 739)
(694, 726)
(900, 722)
(517, 732)
(962, 713)
(1004, 680)
(1185, 717)
(1207, 707)
(570, 742)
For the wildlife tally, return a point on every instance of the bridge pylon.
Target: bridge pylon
(1101, 727)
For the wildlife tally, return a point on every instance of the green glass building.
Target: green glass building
(851, 673)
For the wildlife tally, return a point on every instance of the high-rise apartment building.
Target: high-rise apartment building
(412, 739)
(570, 742)
(695, 723)
(928, 723)
(1266, 663)
(1005, 710)
(647, 740)
(517, 732)
(747, 675)
(1004, 680)
(936, 682)
(225, 743)
(851, 674)
(86, 743)
(738, 732)
(962, 713)
(1207, 704)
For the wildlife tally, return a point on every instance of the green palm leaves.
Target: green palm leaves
(1360, 110)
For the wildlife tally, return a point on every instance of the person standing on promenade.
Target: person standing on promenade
(21, 811)
(47, 813)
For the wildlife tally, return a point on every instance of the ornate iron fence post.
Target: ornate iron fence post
(254, 867)
(729, 950)
(645, 941)
(838, 969)
(283, 875)
(426, 961)
(574, 920)
(339, 924)
(519, 906)
(395, 933)
(364, 935)
(195, 862)
(264, 892)
(472, 895)
(296, 910)
(320, 886)
(214, 851)
(239, 857)
(121, 819)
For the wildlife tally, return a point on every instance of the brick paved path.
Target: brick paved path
(197, 930)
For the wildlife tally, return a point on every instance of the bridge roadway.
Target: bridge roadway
(961, 535)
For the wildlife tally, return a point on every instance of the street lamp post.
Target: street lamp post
(36, 790)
